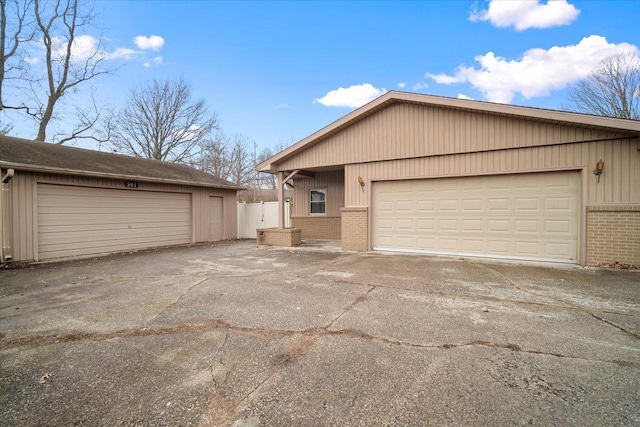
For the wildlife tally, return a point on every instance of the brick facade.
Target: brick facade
(279, 237)
(355, 229)
(318, 227)
(613, 234)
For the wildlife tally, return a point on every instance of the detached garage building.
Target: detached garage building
(62, 201)
(427, 174)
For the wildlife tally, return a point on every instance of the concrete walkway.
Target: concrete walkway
(232, 334)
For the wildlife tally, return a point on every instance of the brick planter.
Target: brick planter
(279, 236)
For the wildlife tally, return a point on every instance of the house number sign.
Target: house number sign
(131, 184)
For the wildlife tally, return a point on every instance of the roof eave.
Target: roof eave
(64, 171)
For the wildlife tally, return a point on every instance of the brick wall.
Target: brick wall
(613, 234)
(355, 229)
(318, 227)
(279, 237)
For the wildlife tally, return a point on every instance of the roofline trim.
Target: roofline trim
(472, 105)
(65, 171)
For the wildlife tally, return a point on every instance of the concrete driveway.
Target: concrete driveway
(231, 334)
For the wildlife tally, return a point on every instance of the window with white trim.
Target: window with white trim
(318, 202)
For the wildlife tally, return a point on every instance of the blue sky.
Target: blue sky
(273, 71)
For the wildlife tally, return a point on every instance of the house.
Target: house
(60, 201)
(427, 174)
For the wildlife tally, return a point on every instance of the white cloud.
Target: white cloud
(281, 106)
(538, 72)
(353, 96)
(420, 86)
(401, 85)
(149, 43)
(525, 14)
(463, 96)
(158, 60)
(122, 52)
(444, 79)
(82, 48)
(30, 60)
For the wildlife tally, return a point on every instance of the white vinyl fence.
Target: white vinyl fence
(252, 216)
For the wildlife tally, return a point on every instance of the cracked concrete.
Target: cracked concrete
(231, 334)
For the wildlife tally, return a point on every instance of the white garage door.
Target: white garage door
(83, 220)
(522, 216)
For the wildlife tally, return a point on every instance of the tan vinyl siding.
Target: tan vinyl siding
(332, 181)
(404, 130)
(23, 195)
(622, 168)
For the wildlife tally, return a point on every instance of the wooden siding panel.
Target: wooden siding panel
(332, 181)
(622, 168)
(407, 131)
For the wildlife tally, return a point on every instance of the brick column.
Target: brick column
(355, 229)
(613, 234)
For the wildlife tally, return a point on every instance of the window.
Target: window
(318, 202)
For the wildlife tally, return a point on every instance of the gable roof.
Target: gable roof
(27, 155)
(631, 127)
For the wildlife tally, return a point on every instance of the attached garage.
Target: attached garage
(62, 201)
(519, 216)
(85, 220)
(427, 174)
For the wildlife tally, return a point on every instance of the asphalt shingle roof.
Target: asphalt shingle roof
(23, 154)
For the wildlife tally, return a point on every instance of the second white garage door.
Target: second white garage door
(76, 221)
(531, 216)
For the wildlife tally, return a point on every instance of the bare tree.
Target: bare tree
(241, 162)
(264, 179)
(612, 89)
(212, 155)
(14, 33)
(162, 122)
(229, 158)
(71, 60)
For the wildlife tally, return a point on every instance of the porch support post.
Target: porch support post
(281, 182)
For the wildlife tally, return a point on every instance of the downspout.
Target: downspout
(5, 221)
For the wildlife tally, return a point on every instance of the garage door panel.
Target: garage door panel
(499, 247)
(450, 205)
(426, 243)
(498, 225)
(71, 250)
(498, 205)
(76, 218)
(473, 205)
(448, 224)
(472, 225)
(470, 245)
(559, 226)
(175, 226)
(559, 249)
(83, 220)
(528, 216)
(425, 224)
(527, 226)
